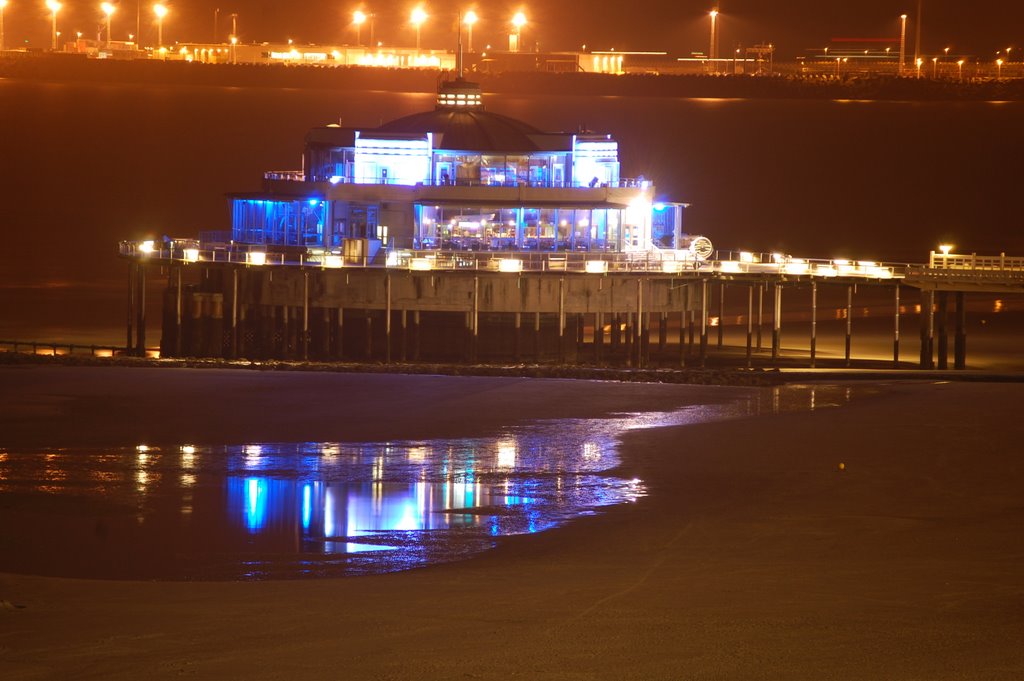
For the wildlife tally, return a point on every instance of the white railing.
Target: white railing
(663, 261)
(957, 261)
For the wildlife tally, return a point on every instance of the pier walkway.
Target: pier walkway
(569, 307)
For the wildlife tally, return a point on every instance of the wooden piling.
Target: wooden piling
(960, 337)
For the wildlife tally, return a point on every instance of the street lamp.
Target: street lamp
(712, 46)
(999, 69)
(234, 42)
(918, 63)
(469, 19)
(519, 20)
(417, 18)
(160, 11)
(960, 69)
(109, 10)
(903, 41)
(54, 7)
(358, 19)
(3, 3)
(935, 67)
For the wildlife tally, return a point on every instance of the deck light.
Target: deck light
(421, 264)
(147, 247)
(730, 266)
(825, 270)
(510, 265)
(945, 248)
(596, 267)
(191, 255)
(256, 257)
(796, 266)
(332, 261)
(747, 256)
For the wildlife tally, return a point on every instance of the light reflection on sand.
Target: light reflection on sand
(283, 510)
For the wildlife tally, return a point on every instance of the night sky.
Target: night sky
(680, 27)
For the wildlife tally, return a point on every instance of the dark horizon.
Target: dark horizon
(793, 26)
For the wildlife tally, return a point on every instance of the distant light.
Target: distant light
(313, 202)
(945, 248)
(147, 247)
(659, 207)
(747, 256)
(256, 257)
(519, 20)
(358, 18)
(192, 255)
(160, 11)
(470, 18)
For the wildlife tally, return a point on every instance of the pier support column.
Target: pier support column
(235, 347)
(703, 321)
(387, 319)
(405, 336)
(369, 333)
(960, 336)
(415, 335)
(682, 324)
(561, 320)
(943, 337)
(339, 344)
(721, 315)
(662, 333)
(598, 336)
(776, 322)
(760, 313)
(536, 337)
(580, 339)
(849, 321)
(814, 323)
(615, 331)
(517, 335)
(629, 337)
(641, 332)
(140, 310)
(177, 311)
(474, 321)
(927, 329)
(305, 315)
(132, 280)
(896, 329)
(750, 325)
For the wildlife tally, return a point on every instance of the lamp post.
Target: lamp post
(935, 67)
(417, 18)
(54, 7)
(469, 19)
(234, 56)
(838, 60)
(712, 47)
(358, 19)
(999, 69)
(518, 21)
(160, 11)
(3, 4)
(903, 41)
(960, 69)
(109, 10)
(918, 64)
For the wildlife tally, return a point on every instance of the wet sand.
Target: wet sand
(754, 556)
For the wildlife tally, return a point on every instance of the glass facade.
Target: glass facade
(287, 223)
(465, 227)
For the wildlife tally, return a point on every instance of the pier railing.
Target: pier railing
(663, 261)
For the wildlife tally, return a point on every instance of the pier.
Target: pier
(643, 309)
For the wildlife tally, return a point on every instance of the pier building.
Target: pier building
(459, 234)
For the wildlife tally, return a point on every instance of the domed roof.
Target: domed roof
(469, 130)
(460, 122)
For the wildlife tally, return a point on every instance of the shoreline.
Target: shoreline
(848, 87)
(753, 554)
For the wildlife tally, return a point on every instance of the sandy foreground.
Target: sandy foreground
(754, 555)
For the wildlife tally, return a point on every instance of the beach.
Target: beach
(876, 539)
